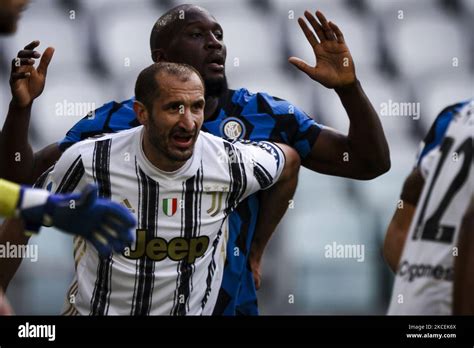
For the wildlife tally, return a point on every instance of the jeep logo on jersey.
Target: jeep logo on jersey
(233, 128)
(170, 206)
(177, 249)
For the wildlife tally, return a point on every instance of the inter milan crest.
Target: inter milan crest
(233, 128)
(170, 206)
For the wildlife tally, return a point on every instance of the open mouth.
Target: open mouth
(216, 63)
(182, 140)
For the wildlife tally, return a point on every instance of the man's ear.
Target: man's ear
(140, 112)
(158, 55)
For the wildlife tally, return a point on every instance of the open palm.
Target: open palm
(334, 65)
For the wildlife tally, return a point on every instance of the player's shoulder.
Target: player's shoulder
(264, 102)
(88, 145)
(439, 127)
(219, 150)
(111, 117)
(445, 117)
(239, 149)
(106, 111)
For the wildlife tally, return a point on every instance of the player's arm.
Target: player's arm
(399, 225)
(363, 153)
(273, 205)
(463, 301)
(18, 163)
(268, 164)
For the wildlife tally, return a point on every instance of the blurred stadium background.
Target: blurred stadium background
(425, 57)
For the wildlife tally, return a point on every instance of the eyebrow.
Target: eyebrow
(181, 102)
(214, 25)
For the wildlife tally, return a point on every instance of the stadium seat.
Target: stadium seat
(441, 90)
(425, 41)
(384, 7)
(360, 33)
(123, 34)
(326, 216)
(42, 21)
(252, 43)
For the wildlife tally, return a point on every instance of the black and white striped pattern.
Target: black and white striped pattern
(73, 176)
(262, 175)
(101, 172)
(238, 177)
(190, 228)
(148, 221)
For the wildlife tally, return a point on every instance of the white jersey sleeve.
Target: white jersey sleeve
(264, 163)
(67, 175)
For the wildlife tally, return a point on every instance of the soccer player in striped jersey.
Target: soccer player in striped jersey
(181, 183)
(190, 34)
(422, 240)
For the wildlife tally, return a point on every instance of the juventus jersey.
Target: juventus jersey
(176, 264)
(424, 279)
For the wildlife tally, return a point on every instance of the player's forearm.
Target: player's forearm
(463, 301)
(16, 154)
(367, 142)
(274, 203)
(11, 232)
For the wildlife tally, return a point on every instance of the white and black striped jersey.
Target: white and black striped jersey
(424, 279)
(176, 263)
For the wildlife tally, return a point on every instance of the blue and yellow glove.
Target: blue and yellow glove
(106, 224)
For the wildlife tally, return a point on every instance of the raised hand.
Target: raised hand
(334, 65)
(26, 81)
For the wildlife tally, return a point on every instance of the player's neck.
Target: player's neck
(214, 104)
(157, 159)
(211, 107)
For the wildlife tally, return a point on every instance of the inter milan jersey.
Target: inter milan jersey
(424, 279)
(176, 263)
(240, 115)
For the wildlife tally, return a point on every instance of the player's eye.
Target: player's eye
(196, 35)
(219, 35)
(198, 106)
(174, 106)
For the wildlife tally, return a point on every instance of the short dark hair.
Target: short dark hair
(162, 30)
(147, 87)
